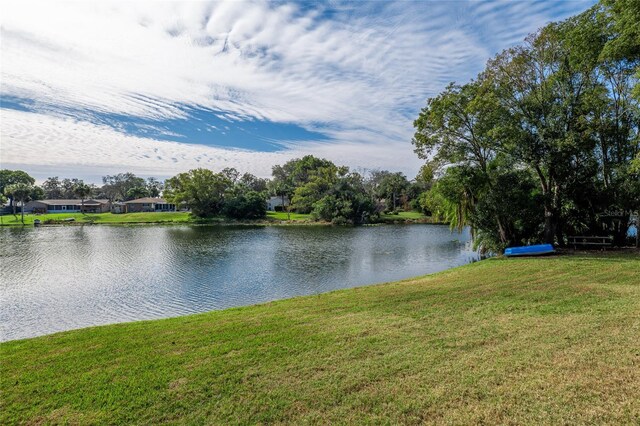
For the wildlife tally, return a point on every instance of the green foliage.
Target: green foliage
(621, 18)
(10, 177)
(52, 188)
(117, 187)
(200, 189)
(549, 129)
(137, 192)
(253, 183)
(13, 177)
(82, 190)
(19, 192)
(245, 205)
(454, 196)
(37, 193)
(345, 202)
(154, 187)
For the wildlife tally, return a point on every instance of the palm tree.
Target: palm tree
(82, 191)
(19, 192)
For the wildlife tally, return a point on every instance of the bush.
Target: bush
(249, 205)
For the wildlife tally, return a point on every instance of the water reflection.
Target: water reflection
(55, 279)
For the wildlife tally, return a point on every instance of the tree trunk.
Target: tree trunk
(549, 224)
(620, 231)
(22, 211)
(559, 233)
(504, 238)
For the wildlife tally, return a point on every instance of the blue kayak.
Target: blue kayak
(530, 250)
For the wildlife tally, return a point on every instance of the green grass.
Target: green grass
(124, 218)
(521, 341)
(293, 216)
(405, 216)
(176, 217)
(151, 217)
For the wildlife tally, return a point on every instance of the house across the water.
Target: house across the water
(275, 203)
(67, 206)
(149, 204)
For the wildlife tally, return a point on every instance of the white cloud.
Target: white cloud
(64, 146)
(363, 74)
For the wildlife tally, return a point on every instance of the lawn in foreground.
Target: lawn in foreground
(542, 340)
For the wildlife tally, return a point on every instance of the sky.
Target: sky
(156, 88)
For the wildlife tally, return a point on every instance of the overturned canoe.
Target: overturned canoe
(530, 250)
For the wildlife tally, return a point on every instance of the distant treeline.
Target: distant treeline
(305, 185)
(545, 143)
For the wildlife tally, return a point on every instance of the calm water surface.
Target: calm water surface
(61, 278)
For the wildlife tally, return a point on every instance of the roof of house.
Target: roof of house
(147, 200)
(64, 202)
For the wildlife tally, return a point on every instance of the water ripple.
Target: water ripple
(61, 278)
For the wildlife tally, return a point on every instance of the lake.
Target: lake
(61, 278)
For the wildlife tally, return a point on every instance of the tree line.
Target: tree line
(308, 185)
(545, 142)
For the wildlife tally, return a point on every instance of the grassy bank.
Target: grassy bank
(411, 217)
(531, 341)
(132, 218)
(181, 217)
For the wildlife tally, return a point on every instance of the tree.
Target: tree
(245, 205)
(3, 200)
(200, 189)
(53, 188)
(620, 18)
(346, 202)
(37, 193)
(10, 177)
(82, 191)
(137, 192)
(116, 187)
(254, 183)
(545, 87)
(154, 187)
(68, 186)
(19, 192)
(282, 186)
(391, 187)
(296, 173)
(230, 173)
(558, 109)
(317, 183)
(457, 129)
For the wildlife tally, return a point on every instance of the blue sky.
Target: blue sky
(157, 88)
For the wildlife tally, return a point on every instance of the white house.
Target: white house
(274, 202)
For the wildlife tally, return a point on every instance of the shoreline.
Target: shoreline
(488, 331)
(624, 253)
(212, 222)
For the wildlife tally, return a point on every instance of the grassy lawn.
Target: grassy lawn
(151, 217)
(174, 217)
(411, 215)
(101, 217)
(293, 216)
(522, 341)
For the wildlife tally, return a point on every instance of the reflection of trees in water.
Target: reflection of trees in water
(79, 276)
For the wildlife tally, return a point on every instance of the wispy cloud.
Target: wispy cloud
(356, 72)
